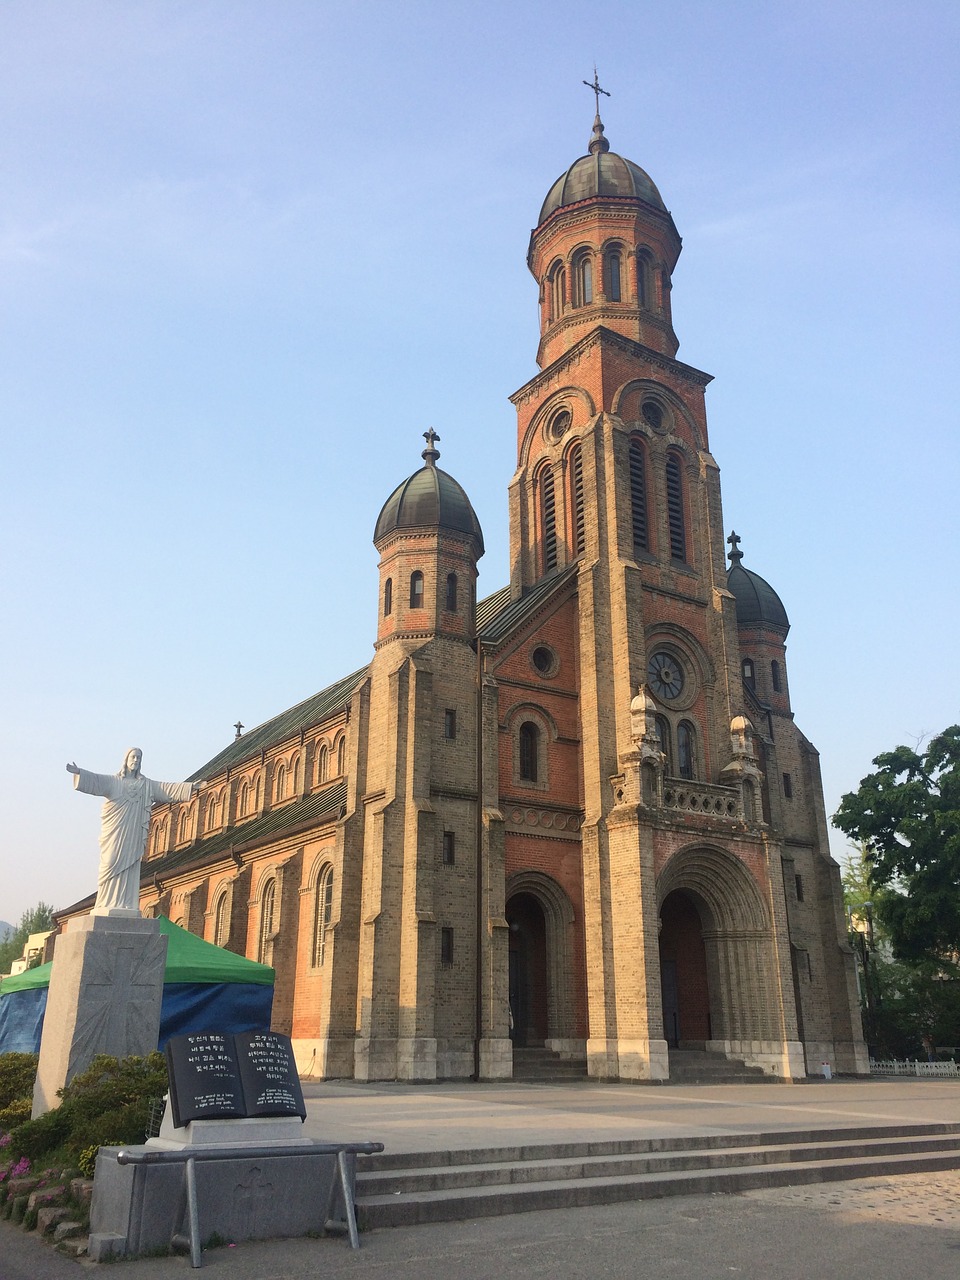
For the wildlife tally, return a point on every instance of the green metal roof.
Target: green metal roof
(304, 715)
(498, 615)
(288, 817)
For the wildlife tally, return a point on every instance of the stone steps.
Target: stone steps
(543, 1066)
(700, 1066)
(404, 1189)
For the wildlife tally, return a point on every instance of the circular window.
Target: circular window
(559, 424)
(665, 676)
(544, 660)
(652, 414)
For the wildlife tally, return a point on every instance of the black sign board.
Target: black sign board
(268, 1074)
(218, 1076)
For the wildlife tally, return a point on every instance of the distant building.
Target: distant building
(575, 815)
(33, 952)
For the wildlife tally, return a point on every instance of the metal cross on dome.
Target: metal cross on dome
(596, 88)
(735, 555)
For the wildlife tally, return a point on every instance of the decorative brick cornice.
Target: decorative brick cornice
(603, 336)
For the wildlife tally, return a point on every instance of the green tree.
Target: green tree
(907, 816)
(36, 920)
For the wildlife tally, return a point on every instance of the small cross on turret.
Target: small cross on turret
(735, 555)
(430, 453)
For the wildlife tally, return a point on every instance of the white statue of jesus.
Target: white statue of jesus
(124, 828)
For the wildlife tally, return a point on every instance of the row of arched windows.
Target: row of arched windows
(750, 674)
(571, 283)
(640, 507)
(269, 922)
(450, 598)
(680, 750)
(329, 763)
(673, 489)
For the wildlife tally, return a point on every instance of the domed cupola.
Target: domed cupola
(758, 605)
(601, 173)
(429, 540)
(603, 253)
(429, 499)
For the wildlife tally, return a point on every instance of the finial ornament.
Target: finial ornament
(430, 453)
(598, 143)
(735, 555)
(239, 728)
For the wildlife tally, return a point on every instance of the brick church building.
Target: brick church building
(576, 814)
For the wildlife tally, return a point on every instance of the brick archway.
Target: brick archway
(740, 958)
(531, 898)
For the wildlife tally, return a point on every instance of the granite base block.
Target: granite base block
(138, 1209)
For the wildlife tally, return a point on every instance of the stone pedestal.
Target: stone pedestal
(106, 988)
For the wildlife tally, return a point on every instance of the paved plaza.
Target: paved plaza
(875, 1229)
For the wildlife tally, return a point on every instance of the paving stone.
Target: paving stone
(917, 1199)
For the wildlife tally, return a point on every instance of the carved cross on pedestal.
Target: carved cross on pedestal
(735, 555)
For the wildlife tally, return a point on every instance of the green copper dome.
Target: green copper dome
(601, 173)
(429, 499)
(757, 602)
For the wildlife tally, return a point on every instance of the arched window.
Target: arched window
(213, 813)
(221, 923)
(576, 494)
(638, 495)
(258, 792)
(243, 799)
(548, 520)
(296, 776)
(775, 675)
(341, 757)
(280, 782)
(582, 280)
(183, 826)
(686, 750)
(160, 836)
(556, 290)
(663, 738)
(323, 763)
(322, 909)
(529, 751)
(416, 590)
(268, 908)
(643, 279)
(612, 275)
(451, 603)
(388, 598)
(749, 672)
(678, 530)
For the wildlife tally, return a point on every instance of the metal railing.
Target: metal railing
(913, 1067)
(189, 1157)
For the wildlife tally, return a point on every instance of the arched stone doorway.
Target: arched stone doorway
(683, 973)
(716, 929)
(541, 989)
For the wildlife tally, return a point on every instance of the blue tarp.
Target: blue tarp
(21, 1020)
(227, 993)
(187, 1006)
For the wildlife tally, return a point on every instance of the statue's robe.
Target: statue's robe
(124, 828)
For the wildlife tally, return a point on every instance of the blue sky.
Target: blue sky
(249, 252)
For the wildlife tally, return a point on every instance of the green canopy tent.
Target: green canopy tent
(205, 988)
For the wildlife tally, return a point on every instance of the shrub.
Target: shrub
(109, 1102)
(35, 1138)
(17, 1074)
(16, 1113)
